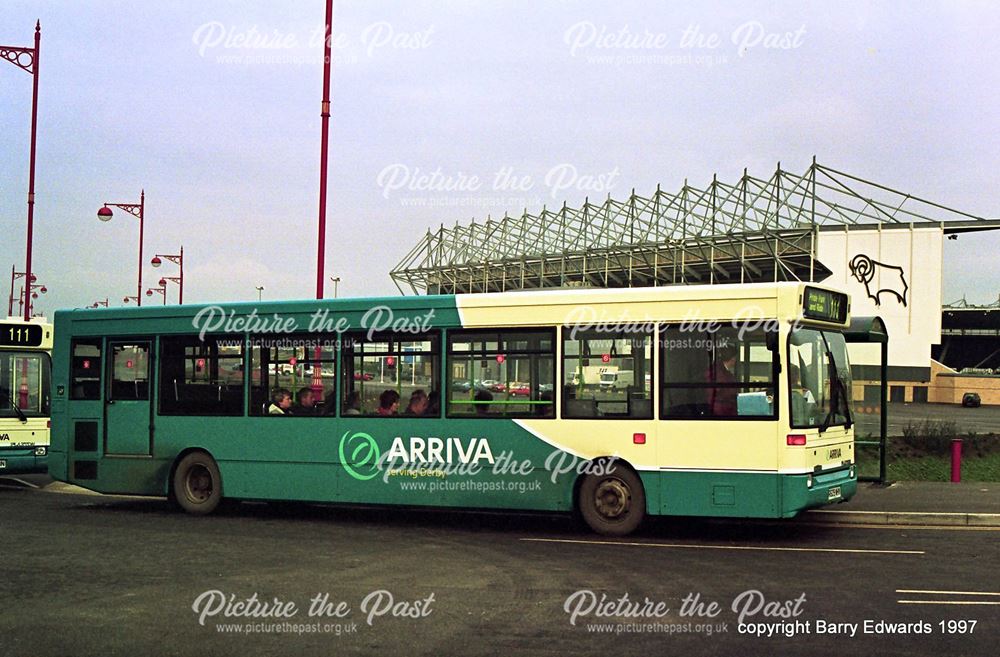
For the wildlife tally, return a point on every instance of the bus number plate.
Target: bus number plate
(834, 493)
(834, 454)
(3, 464)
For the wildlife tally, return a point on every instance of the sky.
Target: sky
(445, 111)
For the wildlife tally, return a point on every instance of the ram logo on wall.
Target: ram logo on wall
(895, 274)
(893, 280)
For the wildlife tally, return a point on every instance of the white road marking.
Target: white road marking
(946, 602)
(723, 547)
(946, 592)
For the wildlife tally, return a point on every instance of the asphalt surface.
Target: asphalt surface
(96, 575)
(985, 419)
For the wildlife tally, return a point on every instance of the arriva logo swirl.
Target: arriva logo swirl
(359, 455)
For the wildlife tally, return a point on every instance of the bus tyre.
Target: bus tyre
(197, 484)
(614, 503)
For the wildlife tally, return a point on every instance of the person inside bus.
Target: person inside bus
(418, 403)
(483, 397)
(388, 403)
(352, 403)
(722, 398)
(803, 401)
(281, 401)
(305, 403)
(434, 403)
(798, 388)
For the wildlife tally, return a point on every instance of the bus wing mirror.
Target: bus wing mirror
(771, 340)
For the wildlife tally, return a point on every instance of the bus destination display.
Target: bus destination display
(824, 305)
(20, 335)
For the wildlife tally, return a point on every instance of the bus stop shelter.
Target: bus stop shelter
(871, 330)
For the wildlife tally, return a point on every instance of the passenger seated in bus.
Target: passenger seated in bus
(388, 403)
(281, 401)
(352, 403)
(798, 388)
(722, 399)
(305, 403)
(434, 403)
(418, 403)
(803, 401)
(481, 397)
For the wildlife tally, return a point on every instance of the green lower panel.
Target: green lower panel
(731, 494)
(745, 494)
(22, 461)
(798, 495)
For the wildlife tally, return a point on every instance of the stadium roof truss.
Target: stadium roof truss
(755, 230)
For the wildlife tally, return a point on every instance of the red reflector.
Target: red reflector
(48, 425)
(639, 438)
(796, 439)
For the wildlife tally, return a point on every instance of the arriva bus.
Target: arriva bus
(737, 404)
(25, 373)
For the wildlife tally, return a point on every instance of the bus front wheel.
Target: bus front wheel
(197, 483)
(614, 503)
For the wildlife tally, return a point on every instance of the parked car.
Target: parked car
(971, 400)
(520, 389)
(365, 376)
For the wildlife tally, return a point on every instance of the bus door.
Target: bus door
(128, 423)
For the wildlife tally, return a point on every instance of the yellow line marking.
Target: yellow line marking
(945, 592)
(946, 602)
(722, 547)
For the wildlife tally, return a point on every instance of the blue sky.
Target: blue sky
(213, 109)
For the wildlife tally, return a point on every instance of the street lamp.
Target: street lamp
(162, 291)
(336, 283)
(26, 298)
(26, 59)
(177, 260)
(131, 298)
(98, 304)
(260, 291)
(14, 276)
(136, 210)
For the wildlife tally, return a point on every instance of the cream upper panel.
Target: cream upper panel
(596, 306)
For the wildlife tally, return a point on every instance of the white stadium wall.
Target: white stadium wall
(901, 268)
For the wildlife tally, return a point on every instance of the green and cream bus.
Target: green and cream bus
(736, 403)
(25, 373)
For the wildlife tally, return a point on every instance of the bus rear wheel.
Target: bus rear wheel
(197, 485)
(614, 503)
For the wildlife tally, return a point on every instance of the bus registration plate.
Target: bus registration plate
(3, 464)
(834, 493)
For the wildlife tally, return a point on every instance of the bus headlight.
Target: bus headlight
(40, 451)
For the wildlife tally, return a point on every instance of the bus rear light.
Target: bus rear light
(796, 439)
(639, 438)
(48, 424)
(809, 481)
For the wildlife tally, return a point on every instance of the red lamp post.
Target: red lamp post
(136, 210)
(98, 304)
(162, 291)
(27, 60)
(179, 279)
(14, 276)
(26, 298)
(131, 298)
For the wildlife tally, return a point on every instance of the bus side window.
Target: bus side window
(85, 369)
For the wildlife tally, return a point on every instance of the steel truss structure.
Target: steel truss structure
(755, 230)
